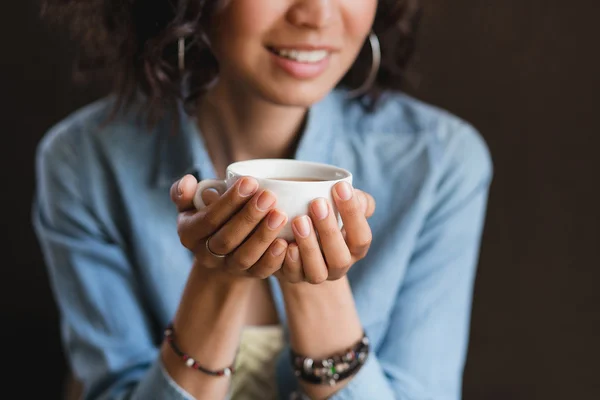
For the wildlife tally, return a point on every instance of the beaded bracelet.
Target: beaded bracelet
(189, 361)
(334, 369)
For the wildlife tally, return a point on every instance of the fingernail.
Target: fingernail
(320, 209)
(275, 220)
(278, 248)
(344, 191)
(247, 187)
(302, 226)
(180, 187)
(294, 253)
(265, 201)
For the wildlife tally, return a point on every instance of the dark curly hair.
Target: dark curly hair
(136, 41)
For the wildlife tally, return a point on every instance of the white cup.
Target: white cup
(293, 196)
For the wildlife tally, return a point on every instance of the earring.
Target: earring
(181, 50)
(375, 65)
(181, 54)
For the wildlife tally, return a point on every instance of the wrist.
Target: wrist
(212, 312)
(207, 323)
(334, 293)
(315, 313)
(219, 280)
(324, 324)
(214, 293)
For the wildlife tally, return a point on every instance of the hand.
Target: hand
(242, 224)
(331, 255)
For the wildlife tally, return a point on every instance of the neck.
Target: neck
(238, 126)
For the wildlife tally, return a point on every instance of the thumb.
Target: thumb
(182, 193)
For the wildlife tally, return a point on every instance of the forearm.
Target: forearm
(323, 321)
(207, 325)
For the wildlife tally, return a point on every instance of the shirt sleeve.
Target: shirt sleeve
(423, 352)
(108, 335)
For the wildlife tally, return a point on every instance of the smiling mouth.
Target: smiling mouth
(302, 56)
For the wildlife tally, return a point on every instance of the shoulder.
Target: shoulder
(66, 139)
(450, 144)
(90, 133)
(75, 127)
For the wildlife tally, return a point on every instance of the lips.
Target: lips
(301, 55)
(301, 61)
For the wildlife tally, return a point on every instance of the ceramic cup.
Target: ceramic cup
(295, 183)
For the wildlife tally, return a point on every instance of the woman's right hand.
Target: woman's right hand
(242, 224)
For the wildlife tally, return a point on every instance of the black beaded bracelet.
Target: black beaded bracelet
(189, 361)
(334, 369)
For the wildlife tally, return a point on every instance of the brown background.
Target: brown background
(525, 72)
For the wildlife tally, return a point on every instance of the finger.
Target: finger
(257, 243)
(292, 266)
(210, 196)
(367, 203)
(358, 232)
(195, 226)
(241, 225)
(333, 245)
(271, 260)
(182, 193)
(313, 264)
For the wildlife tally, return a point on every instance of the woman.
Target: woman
(162, 301)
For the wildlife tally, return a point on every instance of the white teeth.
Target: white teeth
(303, 56)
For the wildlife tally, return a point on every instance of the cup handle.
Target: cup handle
(218, 185)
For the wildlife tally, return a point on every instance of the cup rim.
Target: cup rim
(233, 168)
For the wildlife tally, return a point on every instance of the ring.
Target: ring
(211, 252)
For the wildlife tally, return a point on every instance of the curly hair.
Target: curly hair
(137, 42)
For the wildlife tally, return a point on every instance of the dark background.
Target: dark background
(525, 72)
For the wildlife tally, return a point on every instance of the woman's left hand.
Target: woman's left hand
(330, 256)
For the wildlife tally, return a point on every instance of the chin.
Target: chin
(296, 95)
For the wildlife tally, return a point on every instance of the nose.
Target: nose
(312, 14)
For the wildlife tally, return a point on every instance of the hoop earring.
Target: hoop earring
(376, 64)
(181, 54)
(181, 50)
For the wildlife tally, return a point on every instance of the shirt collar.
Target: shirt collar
(184, 152)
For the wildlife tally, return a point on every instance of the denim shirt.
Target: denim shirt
(108, 232)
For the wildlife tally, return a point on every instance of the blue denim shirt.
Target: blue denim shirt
(107, 227)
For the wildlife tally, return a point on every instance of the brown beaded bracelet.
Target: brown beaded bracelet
(333, 369)
(189, 361)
